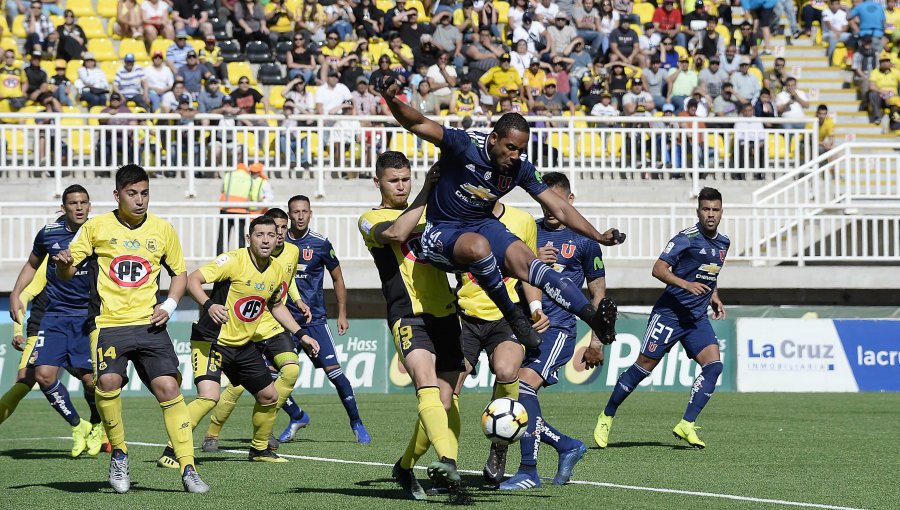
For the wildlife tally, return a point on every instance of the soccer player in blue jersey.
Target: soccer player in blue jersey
(462, 234)
(689, 266)
(316, 256)
(65, 341)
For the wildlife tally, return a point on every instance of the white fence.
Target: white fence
(760, 234)
(55, 145)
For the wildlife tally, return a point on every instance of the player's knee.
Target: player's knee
(267, 396)
(290, 373)
(45, 380)
(472, 247)
(506, 371)
(713, 369)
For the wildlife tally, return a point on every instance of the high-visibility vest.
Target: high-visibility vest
(240, 186)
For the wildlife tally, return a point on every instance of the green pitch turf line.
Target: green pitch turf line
(469, 471)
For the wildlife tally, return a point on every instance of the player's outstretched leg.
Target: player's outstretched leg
(627, 382)
(348, 399)
(227, 402)
(570, 451)
(403, 469)
(60, 400)
(299, 420)
(701, 391)
(11, 399)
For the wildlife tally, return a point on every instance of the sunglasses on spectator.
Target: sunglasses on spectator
(243, 82)
(332, 38)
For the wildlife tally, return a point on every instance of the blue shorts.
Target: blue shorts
(555, 351)
(327, 354)
(440, 237)
(65, 343)
(664, 331)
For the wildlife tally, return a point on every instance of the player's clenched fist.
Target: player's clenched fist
(387, 86)
(547, 253)
(218, 313)
(18, 343)
(310, 345)
(612, 237)
(63, 258)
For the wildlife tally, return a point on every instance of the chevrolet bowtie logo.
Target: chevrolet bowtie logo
(711, 268)
(479, 192)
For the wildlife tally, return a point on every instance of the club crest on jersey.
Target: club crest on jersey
(652, 346)
(151, 245)
(130, 270)
(249, 308)
(307, 253)
(567, 250)
(722, 255)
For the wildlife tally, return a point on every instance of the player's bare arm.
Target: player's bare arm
(218, 313)
(539, 321)
(399, 230)
(64, 268)
(408, 117)
(593, 355)
(284, 317)
(662, 271)
(163, 311)
(340, 294)
(717, 306)
(26, 274)
(570, 217)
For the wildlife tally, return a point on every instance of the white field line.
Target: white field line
(469, 471)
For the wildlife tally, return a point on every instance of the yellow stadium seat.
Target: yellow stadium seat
(49, 67)
(107, 8)
(72, 109)
(591, 145)
(385, 5)
(614, 144)
(348, 46)
(723, 31)
(135, 47)
(4, 26)
(238, 69)
(756, 72)
(93, 27)
(8, 43)
(161, 44)
(111, 31)
(15, 141)
(839, 57)
(81, 8)
(682, 52)
(72, 68)
(18, 28)
(57, 20)
(276, 99)
(561, 142)
(423, 14)
(502, 12)
(377, 49)
(645, 11)
(717, 143)
(102, 49)
(775, 145)
(109, 68)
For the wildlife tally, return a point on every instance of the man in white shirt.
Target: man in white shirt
(334, 98)
(604, 108)
(745, 84)
(791, 104)
(532, 31)
(834, 26)
(442, 79)
(637, 102)
(159, 80)
(546, 11)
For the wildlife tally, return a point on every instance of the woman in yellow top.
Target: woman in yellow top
(280, 16)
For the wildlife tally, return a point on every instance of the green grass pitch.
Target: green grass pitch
(832, 450)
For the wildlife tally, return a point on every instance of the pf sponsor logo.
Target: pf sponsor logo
(249, 308)
(412, 249)
(130, 270)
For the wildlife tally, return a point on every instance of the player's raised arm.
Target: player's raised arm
(399, 230)
(570, 217)
(411, 119)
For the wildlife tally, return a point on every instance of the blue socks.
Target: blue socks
(703, 388)
(59, 399)
(92, 405)
(345, 391)
(489, 278)
(627, 382)
(560, 289)
(292, 409)
(531, 441)
(556, 439)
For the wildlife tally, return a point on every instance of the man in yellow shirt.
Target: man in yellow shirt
(499, 78)
(883, 84)
(826, 129)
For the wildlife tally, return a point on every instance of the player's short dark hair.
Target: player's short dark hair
(260, 220)
(511, 121)
(74, 188)
(708, 194)
(298, 198)
(554, 179)
(390, 159)
(276, 214)
(130, 174)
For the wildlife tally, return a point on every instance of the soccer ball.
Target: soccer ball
(504, 421)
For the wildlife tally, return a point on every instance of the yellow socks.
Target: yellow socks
(263, 420)
(11, 399)
(507, 389)
(434, 419)
(109, 405)
(418, 446)
(198, 409)
(284, 384)
(223, 409)
(454, 422)
(178, 427)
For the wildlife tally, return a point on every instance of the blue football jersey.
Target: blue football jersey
(469, 183)
(694, 258)
(316, 255)
(64, 297)
(579, 259)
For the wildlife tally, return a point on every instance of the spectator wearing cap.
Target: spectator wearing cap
(191, 16)
(605, 106)
(211, 58)
(727, 104)
(411, 31)
(131, 83)
(442, 78)
(38, 84)
(93, 82)
(867, 19)
(448, 38)
(498, 79)
(864, 61)
(364, 101)
(534, 32)
(60, 85)
(71, 38)
(482, 54)
(251, 20)
(712, 77)
(211, 98)
(176, 55)
(587, 24)
(193, 74)
(560, 35)
(533, 79)
(883, 85)
(300, 60)
(550, 102)
(792, 103)
(464, 101)
(691, 20)
(37, 27)
(169, 100)
(401, 55)
(280, 18)
(116, 142)
(579, 60)
(667, 19)
(623, 44)
(654, 78)
(129, 21)
(637, 101)
(708, 42)
(681, 83)
(370, 18)
(155, 16)
(425, 53)
(746, 85)
(159, 80)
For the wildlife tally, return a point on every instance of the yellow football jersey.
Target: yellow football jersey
(410, 284)
(245, 291)
(473, 301)
(129, 261)
(268, 326)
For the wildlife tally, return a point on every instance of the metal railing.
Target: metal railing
(332, 148)
(760, 234)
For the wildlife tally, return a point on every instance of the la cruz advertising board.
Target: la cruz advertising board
(818, 355)
(370, 362)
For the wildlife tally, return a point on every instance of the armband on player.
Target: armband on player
(299, 333)
(534, 306)
(207, 305)
(169, 305)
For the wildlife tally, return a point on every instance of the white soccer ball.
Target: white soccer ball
(504, 421)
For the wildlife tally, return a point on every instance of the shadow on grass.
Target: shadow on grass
(34, 454)
(87, 487)
(637, 444)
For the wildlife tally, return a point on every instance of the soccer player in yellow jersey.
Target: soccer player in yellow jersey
(131, 247)
(484, 328)
(276, 344)
(247, 282)
(422, 317)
